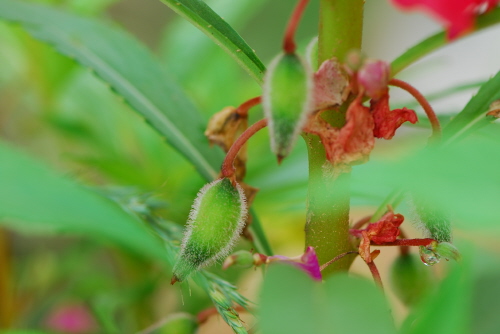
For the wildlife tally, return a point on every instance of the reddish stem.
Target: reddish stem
(408, 242)
(242, 110)
(203, 316)
(288, 42)
(404, 250)
(336, 258)
(436, 127)
(360, 223)
(227, 168)
(375, 274)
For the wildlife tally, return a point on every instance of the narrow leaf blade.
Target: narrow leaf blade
(130, 70)
(211, 24)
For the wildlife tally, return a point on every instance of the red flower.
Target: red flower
(457, 15)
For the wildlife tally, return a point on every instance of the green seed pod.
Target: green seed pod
(215, 223)
(435, 223)
(410, 279)
(287, 100)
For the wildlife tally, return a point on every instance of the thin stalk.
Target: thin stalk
(243, 109)
(375, 274)
(289, 40)
(227, 169)
(328, 197)
(436, 127)
(408, 242)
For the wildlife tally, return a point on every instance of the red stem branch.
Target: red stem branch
(408, 242)
(336, 258)
(375, 274)
(436, 127)
(289, 42)
(203, 316)
(242, 110)
(228, 169)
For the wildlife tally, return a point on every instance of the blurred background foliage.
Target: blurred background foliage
(65, 117)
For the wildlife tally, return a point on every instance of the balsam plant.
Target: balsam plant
(333, 95)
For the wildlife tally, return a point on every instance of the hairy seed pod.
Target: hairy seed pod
(435, 223)
(215, 222)
(410, 280)
(287, 100)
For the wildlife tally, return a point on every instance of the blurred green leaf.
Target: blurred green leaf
(462, 180)
(34, 198)
(291, 302)
(131, 71)
(473, 116)
(447, 311)
(211, 24)
(436, 41)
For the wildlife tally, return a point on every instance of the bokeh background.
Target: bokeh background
(63, 115)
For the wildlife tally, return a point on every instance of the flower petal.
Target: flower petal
(457, 15)
(387, 121)
(330, 85)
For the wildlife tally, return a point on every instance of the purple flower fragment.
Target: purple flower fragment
(307, 262)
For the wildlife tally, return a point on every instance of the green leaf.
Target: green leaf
(183, 43)
(473, 116)
(447, 311)
(436, 41)
(34, 198)
(292, 303)
(130, 70)
(211, 24)
(460, 179)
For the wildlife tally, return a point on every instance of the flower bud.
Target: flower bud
(215, 222)
(410, 279)
(239, 259)
(374, 76)
(287, 100)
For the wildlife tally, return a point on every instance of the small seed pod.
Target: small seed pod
(287, 100)
(410, 279)
(435, 223)
(215, 222)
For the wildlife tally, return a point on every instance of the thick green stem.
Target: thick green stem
(327, 226)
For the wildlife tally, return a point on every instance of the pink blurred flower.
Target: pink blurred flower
(71, 318)
(457, 15)
(307, 262)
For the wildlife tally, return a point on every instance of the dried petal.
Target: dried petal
(331, 85)
(457, 15)
(374, 77)
(384, 230)
(223, 129)
(350, 144)
(387, 121)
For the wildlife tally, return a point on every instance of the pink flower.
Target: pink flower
(307, 262)
(71, 318)
(457, 15)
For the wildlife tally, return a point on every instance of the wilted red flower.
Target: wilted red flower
(386, 229)
(458, 15)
